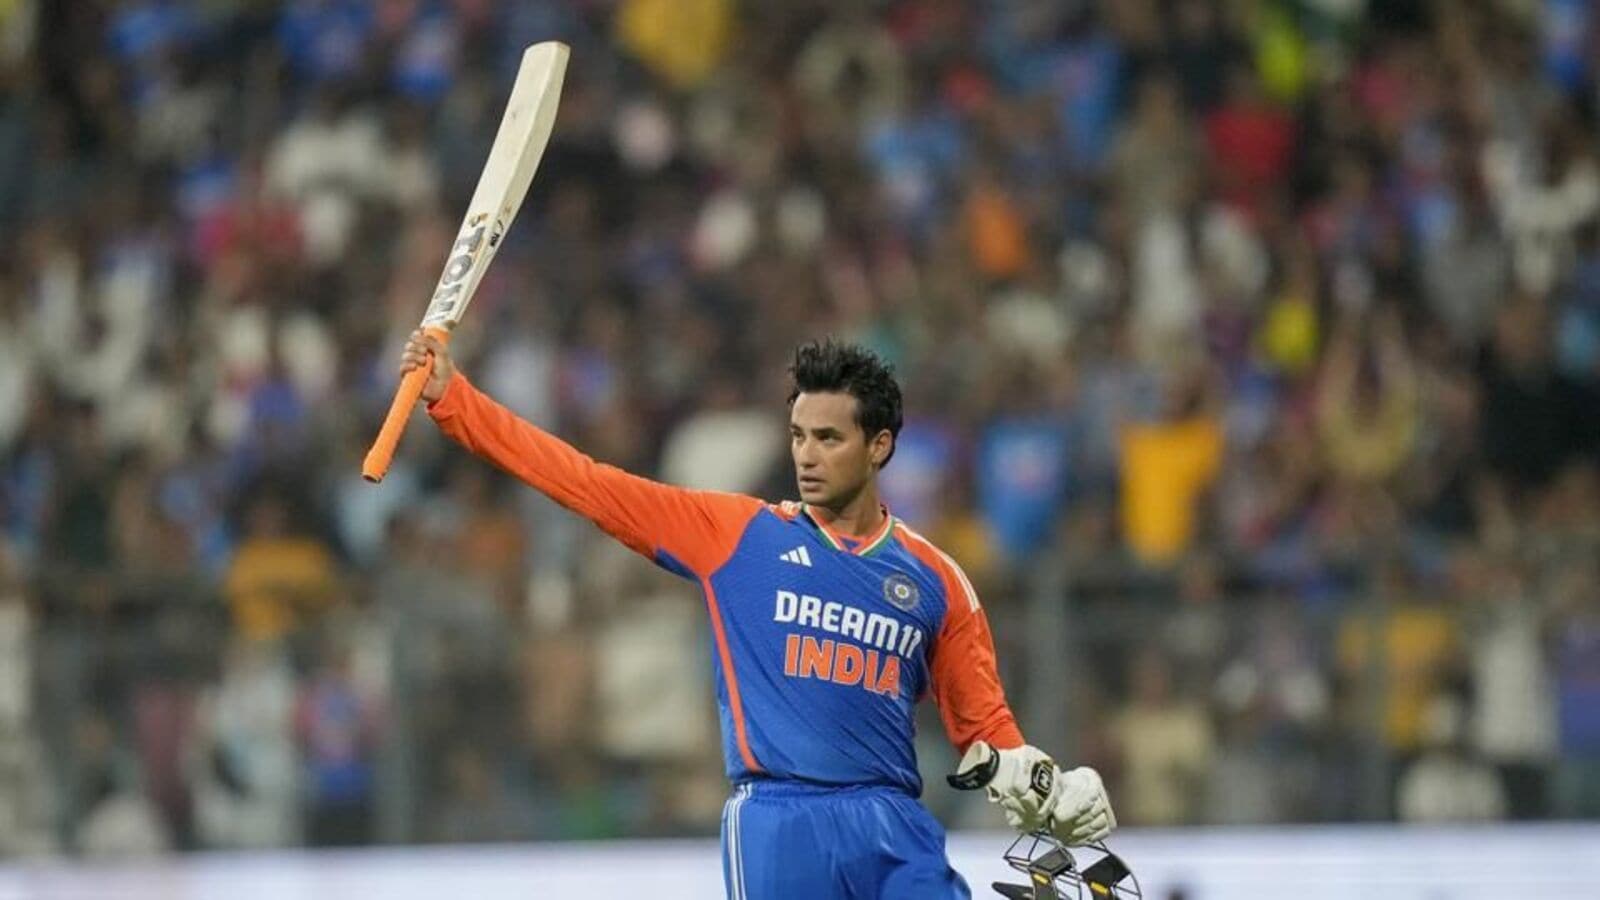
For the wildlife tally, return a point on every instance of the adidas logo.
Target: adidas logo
(798, 556)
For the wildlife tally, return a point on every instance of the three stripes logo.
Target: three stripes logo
(799, 556)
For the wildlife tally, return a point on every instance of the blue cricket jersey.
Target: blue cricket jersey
(823, 643)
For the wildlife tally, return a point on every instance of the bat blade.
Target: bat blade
(518, 147)
(514, 157)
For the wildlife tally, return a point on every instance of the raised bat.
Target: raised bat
(518, 147)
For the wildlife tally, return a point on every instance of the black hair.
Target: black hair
(832, 367)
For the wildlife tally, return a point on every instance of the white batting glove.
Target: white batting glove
(1081, 813)
(1035, 795)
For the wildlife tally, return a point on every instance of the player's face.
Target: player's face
(833, 457)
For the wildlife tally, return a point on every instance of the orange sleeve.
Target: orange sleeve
(690, 532)
(964, 673)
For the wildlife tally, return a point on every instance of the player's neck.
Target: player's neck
(858, 517)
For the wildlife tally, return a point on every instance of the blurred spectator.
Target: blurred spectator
(1577, 689)
(1251, 144)
(1156, 161)
(1544, 194)
(78, 536)
(491, 547)
(649, 678)
(914, 487)
(996, 233)
(1405, 642)
(337, 721)
(324, 163)
(278, 580)
(1022, 477)
(242, 763)
(1511, 724)
(1530, 424)
(1262, 772)
(1274, 703)
(1367, 412)
(1168, 465)
(728, 445)
(558, 690)
(1467, 269)
(1166, 747)
(1446, 783)
(1196, 633)
(965, 535)
(117, 819)
(681, 39)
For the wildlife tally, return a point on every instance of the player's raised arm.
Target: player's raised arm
(689, 532)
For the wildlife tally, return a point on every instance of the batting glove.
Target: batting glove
(1035, 795)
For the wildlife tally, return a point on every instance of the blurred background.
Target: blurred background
(1251, 347)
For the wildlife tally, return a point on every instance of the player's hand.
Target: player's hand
(1035, 795)
(1018, 780)
(418, 348)
(1081, 813)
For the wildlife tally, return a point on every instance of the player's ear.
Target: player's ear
(879, 447)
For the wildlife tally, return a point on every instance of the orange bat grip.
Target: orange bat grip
(376, 465)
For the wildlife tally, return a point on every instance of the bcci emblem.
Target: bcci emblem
(901, 592)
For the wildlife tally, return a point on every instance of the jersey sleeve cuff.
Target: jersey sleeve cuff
(450, 401)
(1006, 736)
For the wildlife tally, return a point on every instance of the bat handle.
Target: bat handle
(376, 465)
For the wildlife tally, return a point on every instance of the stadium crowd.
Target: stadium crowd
(1257, 340)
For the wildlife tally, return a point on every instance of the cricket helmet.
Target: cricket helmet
(1055, 873)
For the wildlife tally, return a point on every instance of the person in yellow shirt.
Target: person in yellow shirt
(277, 580)
(683, 41)
(1167, 467)
(1418, 645)
(1368, 423)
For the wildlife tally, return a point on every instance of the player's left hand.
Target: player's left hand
(1081, 812)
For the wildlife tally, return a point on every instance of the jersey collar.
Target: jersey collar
(864, 548)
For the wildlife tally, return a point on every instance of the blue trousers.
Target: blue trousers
(783, 840)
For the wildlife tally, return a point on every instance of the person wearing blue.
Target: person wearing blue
(831, 619)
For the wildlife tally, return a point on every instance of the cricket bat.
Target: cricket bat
(518, 147)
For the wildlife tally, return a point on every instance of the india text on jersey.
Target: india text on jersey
(842, 662)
